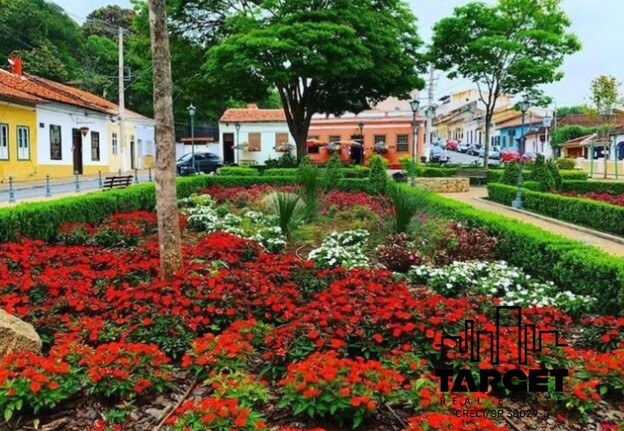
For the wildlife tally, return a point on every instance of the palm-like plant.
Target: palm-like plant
(288, 209)
(407, 204)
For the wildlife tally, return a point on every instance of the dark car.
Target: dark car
(203, 162)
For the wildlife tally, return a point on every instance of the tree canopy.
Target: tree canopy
(508, 48)
(328, 56)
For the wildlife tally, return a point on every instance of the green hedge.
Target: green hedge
(356, 172)
(435, 172)
(571, 265)
(281, 172)
(495, 176)
(584, 212)
(238, 171)
(593, 187)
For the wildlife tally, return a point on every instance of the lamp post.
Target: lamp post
(361, 132)
(546, 122)
(192, 110)
(237, 126)
(518, 203)
(414, 104)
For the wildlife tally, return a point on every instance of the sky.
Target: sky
(596, 22)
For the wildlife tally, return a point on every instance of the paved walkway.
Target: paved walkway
(476, 194)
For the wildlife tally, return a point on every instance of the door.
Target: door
(132, 155)
(357, 151)
(77, 150)
(228, 151)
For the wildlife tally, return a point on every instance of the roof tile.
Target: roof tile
(253, 116)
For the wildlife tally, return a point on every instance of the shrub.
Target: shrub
(124, 370)
(542, 174)
(565, 164)
(287, 160)
(281, 172)
(288, 209)
(584, 187)
(323, 385)
(378, 178)
(554, 172)
(356, 172)
(407, 204)
(398, 254)
(237, 171)
(308, 178)
(463, 243)
(333, 172)
(511, 174)
(215, 414)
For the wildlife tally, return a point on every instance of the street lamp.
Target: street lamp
(414, 104)
(361, 131)
(518, 202)
(192, 111)
(237, 126)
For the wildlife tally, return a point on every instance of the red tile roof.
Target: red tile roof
(41, 90)
(253, 115)
(7, 92)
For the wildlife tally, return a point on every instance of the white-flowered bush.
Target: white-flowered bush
(204, 216)
(497, 279)
(346, 249)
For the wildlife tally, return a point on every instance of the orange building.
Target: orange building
(387, 133)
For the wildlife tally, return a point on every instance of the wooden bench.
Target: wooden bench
(117, 182)
(479, 175)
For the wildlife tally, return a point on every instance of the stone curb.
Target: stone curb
(596, 233)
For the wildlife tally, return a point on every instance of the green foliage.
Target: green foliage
(334, 172)
(356, 172)
(407, 204)
(566, 164)
(289, 210)
(237, 171)
(511, 174)
(583, 187)
(554, 173)
(567, 133)
(542, 174)
(564, 111)
(495, 176)
(378, 178)
(345, 55)
(308, 178)
(281, 172)
(584, 212)
(287, 160)
(605, 94)
(571, 265)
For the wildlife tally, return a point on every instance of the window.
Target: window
(4, 142)
(402, 143)
(255, 142)
(114, 143)
(380, 139)
(281, 139)
(23, 143)
(56, 149)
(95, 146)
(334, 138)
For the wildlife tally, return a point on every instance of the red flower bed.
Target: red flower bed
(380, 205)
(609, 198)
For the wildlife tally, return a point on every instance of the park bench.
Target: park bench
(480, 176)
(117, 182)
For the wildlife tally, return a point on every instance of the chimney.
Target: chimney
(252, 106)
(16, 64)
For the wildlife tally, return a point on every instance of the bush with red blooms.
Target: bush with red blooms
(610, 198)
(602, 333)
(398, 254)
(124, 370)
(230, 350)
(325, 385)
(215, 414)
(463, 243)
(227, 248)
(380, 205)
(34, 383)
(433, 421)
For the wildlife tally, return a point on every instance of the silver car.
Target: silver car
(463, 147)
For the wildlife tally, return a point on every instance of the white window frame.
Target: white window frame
(4, 141)
(23, 143)
(114, 143)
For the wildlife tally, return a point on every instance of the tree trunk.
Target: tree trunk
(607, 154)
(486, 144)
(165, 176)
(299, 110)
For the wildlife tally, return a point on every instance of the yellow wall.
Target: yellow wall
(129, 132)
(13, 116)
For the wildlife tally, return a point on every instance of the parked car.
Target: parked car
(473, 149)
(494, 152)
(512, 155)
(463, 147)
(436, 153)
(452, 145)
(203, 162)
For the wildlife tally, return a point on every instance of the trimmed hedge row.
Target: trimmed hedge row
(584, 212)
(235, 171)
(495, 176)
(593, 187)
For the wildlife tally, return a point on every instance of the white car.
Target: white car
(463, 147)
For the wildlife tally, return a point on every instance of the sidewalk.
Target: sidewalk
(40, 183)
(475, 198)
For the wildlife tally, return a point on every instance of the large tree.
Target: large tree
(327, 56)
(508, 48)
(166, 198)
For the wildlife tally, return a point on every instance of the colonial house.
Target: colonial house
(253, 135)
(60, 130)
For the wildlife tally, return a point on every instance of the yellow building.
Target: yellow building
(18, 135)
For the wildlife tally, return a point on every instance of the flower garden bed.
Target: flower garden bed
(256, 334)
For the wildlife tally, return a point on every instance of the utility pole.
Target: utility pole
(122, 101)
(430, 113)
